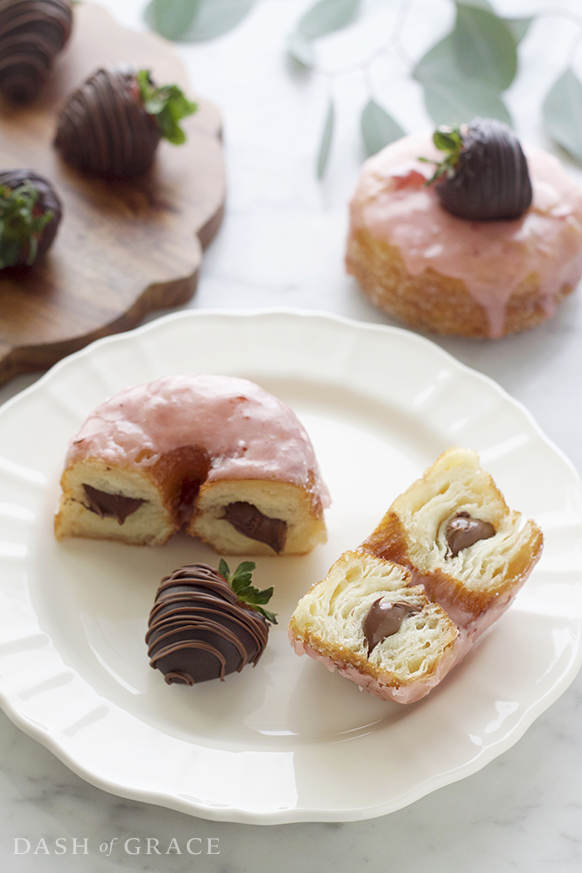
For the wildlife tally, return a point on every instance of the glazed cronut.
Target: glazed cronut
(215, 455)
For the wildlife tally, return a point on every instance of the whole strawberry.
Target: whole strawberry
(484, 174)
(112, 125)
(32, 33)
(207, 623)
(30, 212)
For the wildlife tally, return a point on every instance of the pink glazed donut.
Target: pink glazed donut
(449, 275)
(216, 455)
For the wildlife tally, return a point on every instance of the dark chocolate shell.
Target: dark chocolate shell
(32, 33)
(47, 201)
(104, 128)
(491, 179)
(198, 629)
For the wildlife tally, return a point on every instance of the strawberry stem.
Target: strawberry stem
(167, 105)
(240, 582)
(20, 225)
(448, 140)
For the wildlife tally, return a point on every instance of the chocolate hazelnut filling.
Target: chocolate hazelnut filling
(384, 619)
(115, 505)
(250, 521)
(464, 531)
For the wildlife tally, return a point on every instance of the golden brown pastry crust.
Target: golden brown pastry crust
(432, 302)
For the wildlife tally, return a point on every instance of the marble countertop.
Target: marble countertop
(281, 245)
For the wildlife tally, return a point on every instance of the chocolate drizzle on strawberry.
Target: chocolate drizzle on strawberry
(112, 125)
(200, 630)
(484, 175)
(32, 33)
(104, 128)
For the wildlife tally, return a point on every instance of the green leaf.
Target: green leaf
(326, 138)
(326, 16)
(378, 128)
(216, 17)
(20, 227)
(450, 97)
(562, 110)
(485, 48)
(172, 18)
(518, 27)
(167, 105)
(195, 20)
(438, 62)
(479, 4)
(247, 593)
(300, 49)
(454, 101)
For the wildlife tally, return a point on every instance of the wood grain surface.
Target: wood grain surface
(123, 248)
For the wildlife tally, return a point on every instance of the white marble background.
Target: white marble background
(281, 244)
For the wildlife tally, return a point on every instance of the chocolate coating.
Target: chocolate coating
(116, 505)
(198, 629)
(47, 201)
(491, 179)
(251, 522)
(32, 33)
(464, 531)
(104, 128)
(384, 619)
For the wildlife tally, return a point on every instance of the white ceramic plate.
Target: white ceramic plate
(287, 740)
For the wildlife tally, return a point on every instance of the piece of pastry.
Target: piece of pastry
(452, 542)
(369, 621)
(112, 125)
(216, 455)
(32, 33)
(454, 531)
(30, 213)
(206, 623)
(483, 247)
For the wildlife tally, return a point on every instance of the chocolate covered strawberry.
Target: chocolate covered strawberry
(206, 623)
(32, 33)
(113, 124)
(483, 175)
(30, 212)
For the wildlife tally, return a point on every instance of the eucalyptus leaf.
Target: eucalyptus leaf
(326, 16)
(195, 20)
(479, 4)
(438, 62)
(454, 101)
(172, 18)
(562, 109)
(216, 17)
(326, 138)
(378, 128)
(300, 49)
(518, 27)
(485, 48)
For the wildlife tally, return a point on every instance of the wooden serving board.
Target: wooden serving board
(123, 248)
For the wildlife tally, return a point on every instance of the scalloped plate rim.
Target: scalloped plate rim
(305, 812)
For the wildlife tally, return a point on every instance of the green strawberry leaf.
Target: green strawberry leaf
(240, 581)
(448, 140)
(20, 227)
(167, 105)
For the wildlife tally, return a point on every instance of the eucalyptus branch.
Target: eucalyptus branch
(464, 75)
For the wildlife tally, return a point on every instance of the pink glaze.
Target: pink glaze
(399, 694)
(248, 433)
(491, 257)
